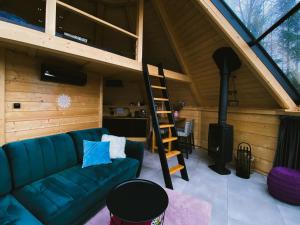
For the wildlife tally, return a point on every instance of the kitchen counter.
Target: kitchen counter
(137, 127)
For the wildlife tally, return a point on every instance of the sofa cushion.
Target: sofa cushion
(79, 136)
(5, 178)
(95, 153)
(37, 158)
(116, 147)
(63, 197)
(12, 212)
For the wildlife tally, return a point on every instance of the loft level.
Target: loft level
(50, 36)
(92, 23)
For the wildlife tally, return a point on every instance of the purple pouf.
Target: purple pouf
(284, 184)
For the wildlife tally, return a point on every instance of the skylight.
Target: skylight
(283, 43)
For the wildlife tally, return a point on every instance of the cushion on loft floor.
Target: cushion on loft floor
(12, 212)
(57, 198)
(284, 184)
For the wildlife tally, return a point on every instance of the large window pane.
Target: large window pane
(259, 15)
(283, 45)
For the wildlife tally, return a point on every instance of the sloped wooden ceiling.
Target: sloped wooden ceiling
(197, 39)
(157, 48)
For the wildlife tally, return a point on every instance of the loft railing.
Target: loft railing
(50, 22)
(274, 35)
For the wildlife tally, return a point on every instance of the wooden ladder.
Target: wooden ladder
(164, 153)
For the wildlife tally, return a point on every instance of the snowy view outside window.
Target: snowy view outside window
(283, 44)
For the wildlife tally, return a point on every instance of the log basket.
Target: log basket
(243, 162)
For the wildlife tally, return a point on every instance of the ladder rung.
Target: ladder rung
(163, 112)
(161, 99)
(176, 168)
(166, 125)
(170, 139)
(158, 87)
(172, 153)
(156, 75)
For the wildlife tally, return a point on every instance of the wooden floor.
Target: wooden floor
(235, 201)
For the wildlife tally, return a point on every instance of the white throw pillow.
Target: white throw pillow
(116, 147)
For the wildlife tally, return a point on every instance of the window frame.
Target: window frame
(258, 49)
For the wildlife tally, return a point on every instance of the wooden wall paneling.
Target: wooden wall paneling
(157, 48)
(40, 114)
(2, 96)
(123, 96)
(255, 64)
(139, 31)
(259, 130)
(197, 40)
(179, 91)
(170, 33)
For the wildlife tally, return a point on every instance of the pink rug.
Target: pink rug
(182, 210)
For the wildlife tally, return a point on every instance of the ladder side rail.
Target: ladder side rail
(167, 103)
(155, 122)
(171, 119)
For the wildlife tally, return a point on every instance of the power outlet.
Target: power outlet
(17, 105)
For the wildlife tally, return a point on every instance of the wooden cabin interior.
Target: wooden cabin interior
(107, 44)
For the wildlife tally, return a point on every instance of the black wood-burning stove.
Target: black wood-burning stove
(220, 135)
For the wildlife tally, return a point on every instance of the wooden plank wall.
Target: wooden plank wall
(40, 114)
(179, 91)
(132, 91)
(259, 130)
(157, 47)
(197, 40)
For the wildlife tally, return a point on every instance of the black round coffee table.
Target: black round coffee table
(137, 201)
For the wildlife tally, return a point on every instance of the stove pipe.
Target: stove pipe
(227, 62)
(220, 136)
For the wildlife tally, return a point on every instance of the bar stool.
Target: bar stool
(186, 137)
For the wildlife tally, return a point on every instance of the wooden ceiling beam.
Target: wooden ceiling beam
(243, 49)
(50, 21)
(169, 74)
(139, 31)
(171, 36)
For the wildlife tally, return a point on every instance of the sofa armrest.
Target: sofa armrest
(135, 150)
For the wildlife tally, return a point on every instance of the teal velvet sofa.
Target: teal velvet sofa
(11, 210)
(44, 179)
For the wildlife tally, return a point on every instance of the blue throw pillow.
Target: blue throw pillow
(95, 153)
